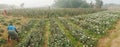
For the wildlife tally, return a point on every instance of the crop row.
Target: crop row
(78, 34)
(50, 12)
(57, 38)
(34, 36)
(97, 23)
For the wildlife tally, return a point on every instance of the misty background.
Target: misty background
(41, 3)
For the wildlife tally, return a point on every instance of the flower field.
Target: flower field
(54, 30)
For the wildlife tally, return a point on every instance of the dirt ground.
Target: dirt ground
(113, 39)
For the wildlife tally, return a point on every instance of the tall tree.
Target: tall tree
(71, 3)
(99, 3)
(91, 4)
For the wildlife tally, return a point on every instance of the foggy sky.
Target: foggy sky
(43, 3)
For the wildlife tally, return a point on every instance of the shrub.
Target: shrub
(3, 41)
(4, 23)
(1, 30)
(18, 23)
(0, 35)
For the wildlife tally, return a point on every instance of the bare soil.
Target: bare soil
(113, 39)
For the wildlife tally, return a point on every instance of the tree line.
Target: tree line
(77, 4)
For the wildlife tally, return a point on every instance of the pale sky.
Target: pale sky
(42, 3)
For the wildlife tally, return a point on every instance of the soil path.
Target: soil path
(113, 39)
(47, 33)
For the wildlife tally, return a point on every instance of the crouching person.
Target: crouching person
(12, 32)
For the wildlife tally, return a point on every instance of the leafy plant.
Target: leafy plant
(1, 30)
(4, 23)
(0, 35)
(2, 41)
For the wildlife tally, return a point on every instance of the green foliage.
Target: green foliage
(1, 30)
(2, 41)
(13, 21)
(71, 4)
(37, 13)
(57, 38)
(4, 23)
(18, 19)
(34, 36)
(0, 35)
(18, 23)
(2, 20)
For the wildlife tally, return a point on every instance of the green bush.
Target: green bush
(1, 30)
(3, 41)
(18, 23)
(1, 20)
(0, 35)
(4, 23)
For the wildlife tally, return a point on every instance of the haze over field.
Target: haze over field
(43, 3)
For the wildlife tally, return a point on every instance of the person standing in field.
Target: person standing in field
(12, 32)
(4, 12)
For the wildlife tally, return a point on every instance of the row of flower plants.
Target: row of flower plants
(78, 34)
(57, 38)
(91, 27)
(31, 12)
(96, 24)
(86, 29)
(31, 34)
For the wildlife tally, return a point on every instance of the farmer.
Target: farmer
(5, 12)
(12, 32)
